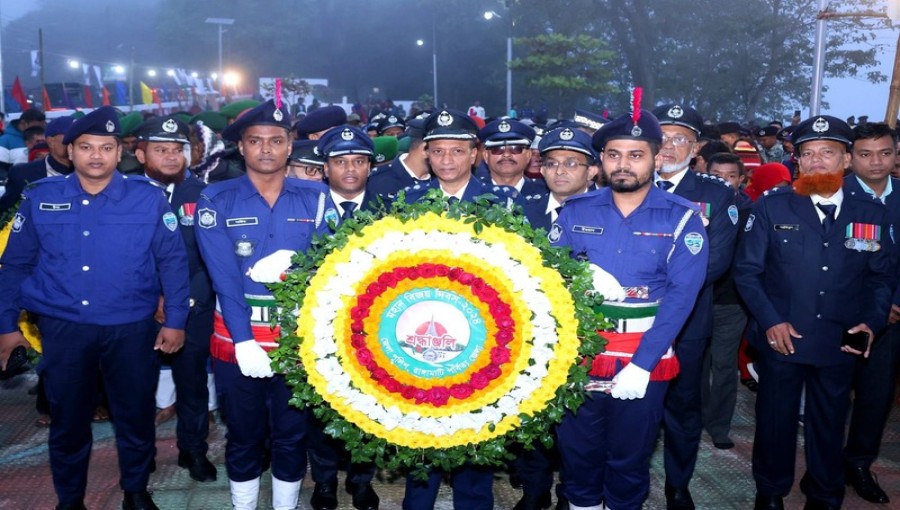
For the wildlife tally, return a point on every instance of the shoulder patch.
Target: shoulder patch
(555, 233)
(749, 224)
(733, 214)
(18, 222)
(170, 221)
(694, 242)
(206, 218)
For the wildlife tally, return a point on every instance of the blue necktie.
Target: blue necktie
(348, 208)
(828, 220)
(665, 185)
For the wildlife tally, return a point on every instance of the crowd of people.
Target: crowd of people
(143, 240)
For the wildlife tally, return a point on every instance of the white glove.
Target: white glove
(630, 383)
(270, 268)
(607, 285)
(252, 359)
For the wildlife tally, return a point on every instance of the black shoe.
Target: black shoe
(324, 497)
(515, 481)
(768, 503)
(724, 445)
(562, 503)
(678, 498)
(16, 364)
(812, 504)
(865, 484)
(364, 497)
(138, 501)
(200, 468)
(751, 384)
(71, 506)
(534, 501)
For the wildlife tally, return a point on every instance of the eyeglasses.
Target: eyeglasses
(677, 140)
(309, 170)
(551, 165)
(512, 149)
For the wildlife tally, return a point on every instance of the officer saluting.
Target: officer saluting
(249, 228)
(654, 244)
(814, 262)
(90, 253)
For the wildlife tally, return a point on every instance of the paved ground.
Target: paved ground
(723, 479)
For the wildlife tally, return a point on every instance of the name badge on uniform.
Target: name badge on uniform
(186, 214)
(583, 229)
(786, 226)
(863, 237)
(241, 222)
(54, 207)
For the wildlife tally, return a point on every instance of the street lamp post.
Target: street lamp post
(421, 42)
(489, 15)
(220, 22)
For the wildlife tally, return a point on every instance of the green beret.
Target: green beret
(385, 148)
(213, 120)
(232, 110)
(130, 123)
(403, 144)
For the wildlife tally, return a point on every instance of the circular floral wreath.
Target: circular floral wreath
(502, 367)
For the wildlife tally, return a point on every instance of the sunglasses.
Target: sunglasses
(512, 149)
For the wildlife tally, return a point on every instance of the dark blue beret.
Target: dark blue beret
(647, 129)
(823, 127)
(320, 119)
(388, 122)
(163, 129)
(729, 127)
(590, 120)
(343, 140)
(263, 115)
(506, 132)
(678, 115)
(101, 122)
(767, 131)
(416, 129)
(450, 124)
(304, 151)
(59, 126)
(566, 138)
(785, 134)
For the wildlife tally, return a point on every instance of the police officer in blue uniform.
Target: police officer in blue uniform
(814, 262)
(160, 150)
(248, 229)
(90, 253)
(391, 125)
(648, 248)
(347, 152)
(320, 120)
(408, 169)
(683, 421)
(56, 163)
(507, 154)
(872, 160)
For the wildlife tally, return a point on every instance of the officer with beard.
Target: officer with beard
(162, 149)
(683, 422)
(814, 264)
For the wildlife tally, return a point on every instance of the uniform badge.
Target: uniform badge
(863, 237)
(555, 233)
(170, 221)
(186, 214)
(820, 125)
(694, 242)
(110, 127)
(636, 131)
(347, 135)
(675, 112)
(379, 158)
(18, 222)
(277, 115)
(733, 214)
(504, 127)
(243, 248)
(170, 126)
(206, 218)
(749, 225)
(444, 119)
(392, 119)
(331, 215)
(566, 134)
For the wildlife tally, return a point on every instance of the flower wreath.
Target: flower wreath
(504, 361)
(28, 327)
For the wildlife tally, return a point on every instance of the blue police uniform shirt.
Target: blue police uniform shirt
(101, 259)
(661, 245)
(235, 227)
(503, 195)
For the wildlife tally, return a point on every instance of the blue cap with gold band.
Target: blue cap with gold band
(506, 132)
(568, 139)
(822, 127)
(646, 129)
(674, 114)
(163, 129)
(266, 114)
(450, 124)
(304, 151)
(589, 120)
(101, 122)
(344, 140)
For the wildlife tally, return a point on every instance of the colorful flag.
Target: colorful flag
(105, 94)
(88, 100)
(146, 94)
(19, 94)
(121, 93)
(47, 105)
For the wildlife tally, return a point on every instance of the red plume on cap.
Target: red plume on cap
(636, 94)
(278, 93)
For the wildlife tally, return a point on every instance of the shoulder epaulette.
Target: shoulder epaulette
(715, 178)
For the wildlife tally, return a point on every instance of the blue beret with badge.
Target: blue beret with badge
(569, 139)
(450, 124)
(59, 126)
(320, 119)
(589, 120)
(506, 132)
(266, 114)
(646, 128)
(767, 131)
(304, 151)
(390, 121)
(101, 122)
(679, 115)
(823, 127)
(343, 140)
(163, 129)
(785, 134)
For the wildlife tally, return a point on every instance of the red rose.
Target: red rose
(454, 273)
(365, 301)
(461, 391)
(357, 326)
(427, 270)
(358, 340)
(479, 380)
(504, 336)
(408, 392)
(358, 312)
(380, 374)
(466, 278)
(376, 288)
(438, 396)
(478, 284)
(505, 322)
(441, 269)
(364, 356)
(499, 355)
(391, 385)
(492, 371)
(420, 395)
(402, 273)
